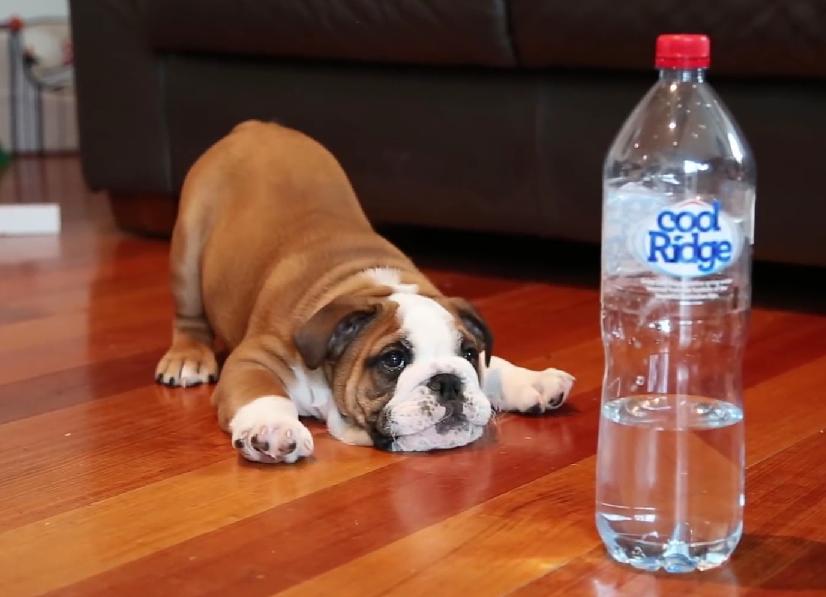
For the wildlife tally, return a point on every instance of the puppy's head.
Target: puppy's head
(405, 367)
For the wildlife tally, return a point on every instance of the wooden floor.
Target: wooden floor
(112, 485)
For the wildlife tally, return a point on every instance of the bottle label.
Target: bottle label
(688, 240)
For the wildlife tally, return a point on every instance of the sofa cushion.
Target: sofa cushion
(749, 37)
(435, 32)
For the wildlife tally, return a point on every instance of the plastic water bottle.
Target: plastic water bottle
(679, 185)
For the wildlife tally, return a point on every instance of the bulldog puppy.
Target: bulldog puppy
(273, 256)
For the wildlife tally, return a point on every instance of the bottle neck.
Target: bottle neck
(683, 75)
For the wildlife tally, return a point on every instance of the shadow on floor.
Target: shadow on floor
(757, 564)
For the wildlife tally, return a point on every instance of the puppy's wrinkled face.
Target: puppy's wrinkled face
(407, 369)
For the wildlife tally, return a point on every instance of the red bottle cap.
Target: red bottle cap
(14, 24)
(683, 50)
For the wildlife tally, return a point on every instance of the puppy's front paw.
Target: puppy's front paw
(536, 392)
(268, 430)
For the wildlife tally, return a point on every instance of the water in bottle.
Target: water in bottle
(676, 259)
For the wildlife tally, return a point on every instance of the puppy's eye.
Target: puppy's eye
(471, 354)
(393, 361)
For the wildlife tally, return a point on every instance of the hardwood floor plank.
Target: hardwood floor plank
(79, 261)
(773, 423)
(522, 320)
(149, 303)
(136, 523)
(487, 550)
(60, 389)
(81, 298)
(779, 341)
(470, 286)
(75, 456)
(137, 335)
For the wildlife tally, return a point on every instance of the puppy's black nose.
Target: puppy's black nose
(446, 386)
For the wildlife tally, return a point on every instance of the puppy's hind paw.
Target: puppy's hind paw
(187, 365)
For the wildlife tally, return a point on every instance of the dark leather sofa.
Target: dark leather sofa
(489, 115)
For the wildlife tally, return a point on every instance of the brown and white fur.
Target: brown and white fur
(273, 256)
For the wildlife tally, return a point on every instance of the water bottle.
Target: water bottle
(678, 214)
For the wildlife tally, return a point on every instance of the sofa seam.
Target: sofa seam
(509, 31)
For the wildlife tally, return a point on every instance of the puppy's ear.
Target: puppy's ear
(326, 335)
(475, 324)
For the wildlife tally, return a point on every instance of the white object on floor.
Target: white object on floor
(20, 219)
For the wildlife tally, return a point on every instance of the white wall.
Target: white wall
(33, 8)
